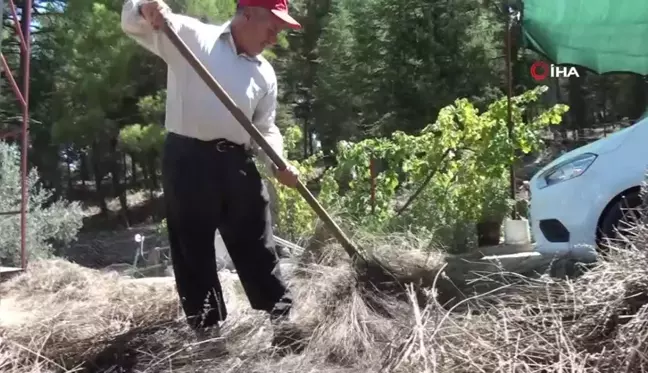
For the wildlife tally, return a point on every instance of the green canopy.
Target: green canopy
(601, 35)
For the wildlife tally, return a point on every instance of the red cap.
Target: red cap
(278, 7)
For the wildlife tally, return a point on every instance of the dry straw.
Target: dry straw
(61, 317)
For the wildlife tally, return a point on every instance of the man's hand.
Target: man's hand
(288, 176)
(154, 12)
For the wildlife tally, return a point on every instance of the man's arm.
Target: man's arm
(139, 29)
(264, 120)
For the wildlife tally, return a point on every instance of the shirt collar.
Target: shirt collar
(227, 33)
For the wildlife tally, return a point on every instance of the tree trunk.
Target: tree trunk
(577, 112)
(98, 176)
(120, 191)
(83, 169)
(69, 170)
(640, 97)
(133, 170)
(145, 175)
(153, 171)
(124, 163)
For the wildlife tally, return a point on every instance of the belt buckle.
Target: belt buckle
(221, 146)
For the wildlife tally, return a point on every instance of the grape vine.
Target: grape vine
(464, 156)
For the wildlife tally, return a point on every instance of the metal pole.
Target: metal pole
(23, 34)
(509, 83)
(2, 7)
(372, 173)
(26, 23)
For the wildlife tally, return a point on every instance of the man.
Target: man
(209, 178)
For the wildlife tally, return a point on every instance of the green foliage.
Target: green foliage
(295, 218)
(146, 139)
(161, 228)
(469, 153)
(465, 153)
(47, 227)
(391, 66)
(151, 108)
(93, 82)
(138, 139)
(211, 11)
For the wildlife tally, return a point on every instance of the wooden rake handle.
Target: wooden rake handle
(200, 69)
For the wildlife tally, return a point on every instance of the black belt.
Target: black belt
(221, 145)
(224, 145)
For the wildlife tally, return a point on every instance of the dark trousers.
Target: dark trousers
(207, 186)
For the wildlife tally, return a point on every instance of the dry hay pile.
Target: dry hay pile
(80, 318)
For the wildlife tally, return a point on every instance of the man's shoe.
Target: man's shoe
(287, 337)
(280, 313)
(208, 342)
(277, 318)
(207, 334)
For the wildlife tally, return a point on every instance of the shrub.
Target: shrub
(49, 224)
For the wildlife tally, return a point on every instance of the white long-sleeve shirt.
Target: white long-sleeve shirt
(192, 109)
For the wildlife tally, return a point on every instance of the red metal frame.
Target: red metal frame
(372, 173)
(23, 100)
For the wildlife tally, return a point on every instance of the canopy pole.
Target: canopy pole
(509, 120)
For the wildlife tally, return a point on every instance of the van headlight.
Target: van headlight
(566, 170)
